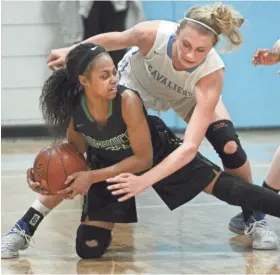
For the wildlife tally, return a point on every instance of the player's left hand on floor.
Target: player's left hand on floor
(127, 184)
(77, 184)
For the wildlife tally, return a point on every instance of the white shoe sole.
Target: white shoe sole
(265, 246)
(9, 255)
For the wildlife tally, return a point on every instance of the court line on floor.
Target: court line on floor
(24, 175)
(139, 207)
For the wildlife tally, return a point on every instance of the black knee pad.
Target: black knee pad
(219, 134)
(235, 191)
(87, 233)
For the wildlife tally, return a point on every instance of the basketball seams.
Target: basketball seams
(43, 153)
(80, 157)
(80, 160)
(52, 160)
(62, 162)
(47, 168)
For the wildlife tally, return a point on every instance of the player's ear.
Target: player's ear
(82, 80)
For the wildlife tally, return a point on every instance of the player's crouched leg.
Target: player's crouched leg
(92, 241)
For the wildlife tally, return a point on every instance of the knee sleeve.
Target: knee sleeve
(219, 134)
(235, 191)
(100, 237)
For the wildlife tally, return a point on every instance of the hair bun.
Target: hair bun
(226, 15)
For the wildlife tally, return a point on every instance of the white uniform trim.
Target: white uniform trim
(160, 86)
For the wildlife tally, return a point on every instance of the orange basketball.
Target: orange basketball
(54, 164)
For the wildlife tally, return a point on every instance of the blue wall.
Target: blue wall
(251, 95)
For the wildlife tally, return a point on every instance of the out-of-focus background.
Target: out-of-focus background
(30, 29)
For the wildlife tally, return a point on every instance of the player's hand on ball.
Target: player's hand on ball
(79, 184)
(127, 184)
(35, 186)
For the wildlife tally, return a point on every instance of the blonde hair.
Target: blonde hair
(221, 18)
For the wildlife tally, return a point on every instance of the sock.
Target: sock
(265, 185)
(35, 215)
(258, 216)
(246, 213)
(234, 190)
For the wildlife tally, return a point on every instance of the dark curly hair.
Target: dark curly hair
(61, 91)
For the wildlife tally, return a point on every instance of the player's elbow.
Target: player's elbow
(146, 162)
(189, 149)
(141, 32)
(149, 162)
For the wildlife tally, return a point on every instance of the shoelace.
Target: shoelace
(21, 232)
(262, 226)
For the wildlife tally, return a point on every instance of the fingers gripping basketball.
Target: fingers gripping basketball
(54, 164)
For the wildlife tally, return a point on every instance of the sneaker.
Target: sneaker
(237, 224)
(17, 239)
(262, 234)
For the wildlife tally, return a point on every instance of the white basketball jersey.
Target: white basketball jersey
(160, 86)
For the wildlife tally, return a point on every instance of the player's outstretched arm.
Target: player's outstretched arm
(141, 35)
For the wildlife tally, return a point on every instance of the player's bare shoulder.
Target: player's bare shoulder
(130, 99)
(132, 108)
(146, 33)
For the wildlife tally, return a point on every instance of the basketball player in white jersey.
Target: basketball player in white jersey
(131, 185)
(176, 66)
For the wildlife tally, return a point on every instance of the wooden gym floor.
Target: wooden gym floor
(192, 239)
